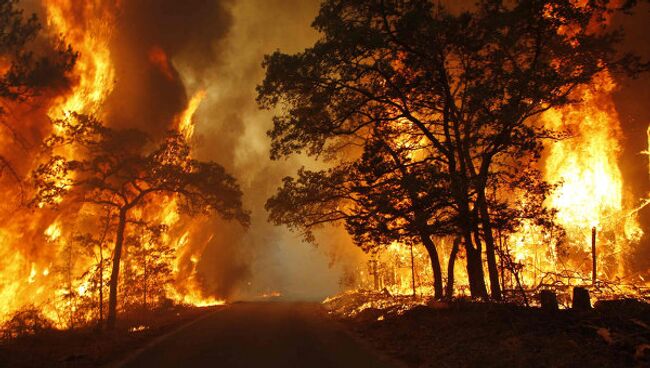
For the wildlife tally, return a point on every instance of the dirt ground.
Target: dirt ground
(89, 347)
(466, 334)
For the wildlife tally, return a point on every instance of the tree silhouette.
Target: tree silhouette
(471, 84)
(386, 195)
(113, 168)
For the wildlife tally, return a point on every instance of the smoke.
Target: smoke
(150, 37)
(166, 51)
(634, 114)
(232, 130)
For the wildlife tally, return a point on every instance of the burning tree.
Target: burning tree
(386, 196)
(116, 169)
(151, 261)
(468, 88)
(24, 72)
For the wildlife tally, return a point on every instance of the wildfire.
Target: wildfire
(53, 232)
(94, 69)
(42, 263)
(196, 298)
(591, 192)
(186, 119)
(587, 163)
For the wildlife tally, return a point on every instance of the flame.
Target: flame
(53, 232)
(35, 246)
(195, 297)
(186, 119)
(94, 69)
(587, 163)
(139, 328)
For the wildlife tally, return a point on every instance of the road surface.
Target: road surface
(260, 335)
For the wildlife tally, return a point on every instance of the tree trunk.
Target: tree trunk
(435, 265)
(450, 269)
(101, 285)
(493, 270)
(70, 291)
(115, 272)
(475, 269)
(413, 272)
(144, 279)
(101, 269)
(474, 263)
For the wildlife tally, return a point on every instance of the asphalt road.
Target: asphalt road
(273, 334)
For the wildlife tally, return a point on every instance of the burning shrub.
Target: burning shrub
(26, 322)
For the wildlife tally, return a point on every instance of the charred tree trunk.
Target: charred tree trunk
(473, 250)
(144, 279)
(462, 183)
(101, 284)
(593, 256)
(115, 272)
(70, 290)
(490, 252)
(101, 268)
(450, 269)
(459, 184)
(435, 266)
(375, 278)
(475, 272)
(413, 272)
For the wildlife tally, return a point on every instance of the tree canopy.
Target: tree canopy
(115, 169)
(465, 88)
(26, 69)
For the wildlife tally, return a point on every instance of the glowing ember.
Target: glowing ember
(138, 328)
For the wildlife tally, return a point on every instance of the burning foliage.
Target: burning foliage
(471, 153)
(104, 213)
(488, 136)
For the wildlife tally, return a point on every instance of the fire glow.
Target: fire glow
(41, 266)
(591, 193)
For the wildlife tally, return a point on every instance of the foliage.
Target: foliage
(123, 170)
(442, 110)
(115, 170)
(150, 266)
(25, 322)
(27, 68)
